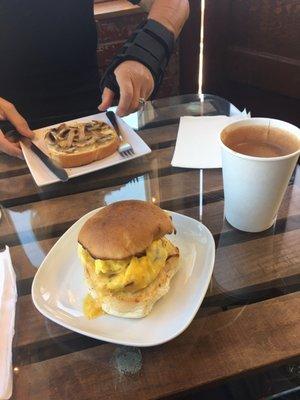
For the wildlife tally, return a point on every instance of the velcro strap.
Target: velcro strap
(162, 34)
(149, 44)
(139, 54)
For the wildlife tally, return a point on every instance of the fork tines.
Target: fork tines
(126, 150)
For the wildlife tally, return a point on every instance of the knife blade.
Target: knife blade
(58, 171)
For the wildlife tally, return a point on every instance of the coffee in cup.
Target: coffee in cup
(258, 159)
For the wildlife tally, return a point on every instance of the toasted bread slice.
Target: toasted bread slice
(87, 156)
(84, 154)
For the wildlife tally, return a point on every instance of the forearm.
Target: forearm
(170, 13)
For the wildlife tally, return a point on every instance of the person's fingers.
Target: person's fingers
(12, 149)
(107, 99)
(147, 89)
(2, 115)
(147, 93)
(126, 94)
(143, 93)
(17, 120)
(137, 95)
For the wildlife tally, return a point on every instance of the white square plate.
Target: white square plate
(59, 288)
(43, 176)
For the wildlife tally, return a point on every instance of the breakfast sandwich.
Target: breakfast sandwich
(76, 144)
(128, 261)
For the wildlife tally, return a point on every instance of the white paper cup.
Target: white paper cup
(254, 186)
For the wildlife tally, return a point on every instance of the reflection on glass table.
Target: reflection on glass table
(169, 110)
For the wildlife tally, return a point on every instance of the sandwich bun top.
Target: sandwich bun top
(124, 229)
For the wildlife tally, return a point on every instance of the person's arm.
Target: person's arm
(170, 13)
(134, 79)
(8, 112)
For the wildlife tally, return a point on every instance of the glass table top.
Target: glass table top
(246, 332)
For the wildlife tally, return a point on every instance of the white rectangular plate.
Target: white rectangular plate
(59, 288)
(43, 176)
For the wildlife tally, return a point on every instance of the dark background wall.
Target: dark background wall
(252, 55)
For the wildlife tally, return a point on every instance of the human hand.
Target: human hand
(135, 82)
(8, 112)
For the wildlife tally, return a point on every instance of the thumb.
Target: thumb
(107, 99)
(9, 148)
(18, 121)
(23, 128)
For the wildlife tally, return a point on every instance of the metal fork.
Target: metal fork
(125, 149)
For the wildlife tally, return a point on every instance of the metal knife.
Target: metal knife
(112, 117)
(58, 171)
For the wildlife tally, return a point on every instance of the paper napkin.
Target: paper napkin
(8, 298)
(197, 144)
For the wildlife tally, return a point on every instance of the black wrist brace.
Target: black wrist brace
(152, 45)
